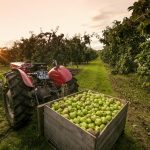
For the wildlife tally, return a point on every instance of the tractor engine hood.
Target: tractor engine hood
(60, 75)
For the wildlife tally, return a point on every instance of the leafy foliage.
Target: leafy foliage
(121, 46)
(47, 46)
(141, 15)
(143, 61)
(126, 44)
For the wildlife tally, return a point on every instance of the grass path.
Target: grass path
(95, 76)
(137, 131)
(92, 76)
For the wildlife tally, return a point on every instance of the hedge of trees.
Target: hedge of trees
(127, 43)
(45, 47)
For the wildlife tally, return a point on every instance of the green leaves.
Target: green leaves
(45, 47)
(127, 45)
(143, 62)
(121, 46)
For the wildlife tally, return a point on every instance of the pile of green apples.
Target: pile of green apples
(88, 110)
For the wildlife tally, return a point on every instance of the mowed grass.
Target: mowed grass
(137, 130)
(3, 69)
(92, 76)
(95, 76)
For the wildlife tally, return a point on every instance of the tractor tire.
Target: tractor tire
(73, 86)
(17, 100)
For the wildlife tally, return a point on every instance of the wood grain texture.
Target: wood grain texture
(40, 115)
(112, 131)
(64, 134)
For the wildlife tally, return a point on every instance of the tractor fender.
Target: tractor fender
(27, 81)
(60, 75)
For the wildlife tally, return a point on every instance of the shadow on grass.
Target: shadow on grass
(25, 138)
(29, 137)
(126, 142)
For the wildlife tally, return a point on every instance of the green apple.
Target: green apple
(91, 125)
(66, 116)
(59, 110)
(56, 106)
(115, 111)
(97, 129)
(99, 113)
(96, 109)
(74, 104)
(84, 111)
(108, 112)
(102, 126)
(71, 120)
(88, 120)
(65, 111)
(108, 117)
(76, 120)
(84, 125)
(119, 107)
(100, 103)
(96, 105)
(96, 101)
(69, 108)
(78, 107)
(82, 119)
(104, 120)
(72, 115)
(93, 117)
(98, 121)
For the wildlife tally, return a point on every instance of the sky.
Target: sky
(18, 18)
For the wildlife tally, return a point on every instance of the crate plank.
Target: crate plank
(40, 117)
(66, 135)
(113, 130)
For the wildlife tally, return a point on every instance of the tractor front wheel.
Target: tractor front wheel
(17, 100)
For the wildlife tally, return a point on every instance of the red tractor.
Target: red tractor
(28, 85)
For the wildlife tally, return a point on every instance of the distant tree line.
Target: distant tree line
(127, 43)
(45, 47)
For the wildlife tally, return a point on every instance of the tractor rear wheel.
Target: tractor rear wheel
(73, 85)
(17, 100)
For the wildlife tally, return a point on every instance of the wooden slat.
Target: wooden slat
(40, 115)
(64, 134)
(112, 131)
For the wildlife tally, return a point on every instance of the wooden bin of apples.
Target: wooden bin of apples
(83, 121)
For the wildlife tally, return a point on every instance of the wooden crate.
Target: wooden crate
(65, 135)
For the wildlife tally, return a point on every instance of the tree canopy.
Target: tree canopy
(126, 43)
(45, 47)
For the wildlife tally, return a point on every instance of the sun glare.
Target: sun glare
(2, 56)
